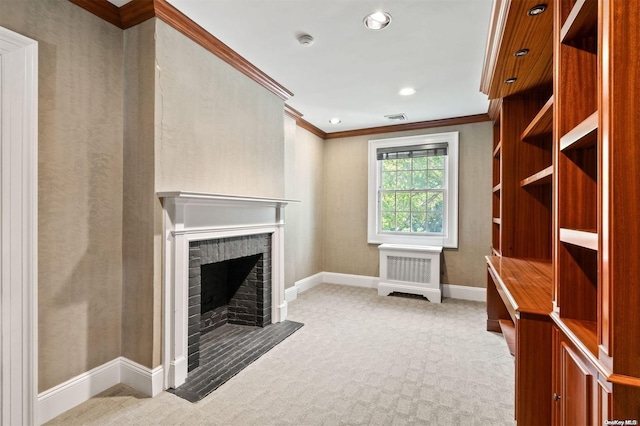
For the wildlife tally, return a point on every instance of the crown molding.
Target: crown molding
(293, 113)
(496, 32)
(297, 115)
(102, 9)
(468, 119)
(138, 11)
(311, 128)
(494, 108)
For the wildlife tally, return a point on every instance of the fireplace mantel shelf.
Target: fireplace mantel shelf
(224, 198)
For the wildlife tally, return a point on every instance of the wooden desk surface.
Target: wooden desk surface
(526, 283)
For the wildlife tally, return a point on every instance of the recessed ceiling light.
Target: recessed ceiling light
(537, 10)
(407, 91)
(335, 121)
(510, 80)
(521, 52)
(377, 20)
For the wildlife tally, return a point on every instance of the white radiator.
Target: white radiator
(410, 269)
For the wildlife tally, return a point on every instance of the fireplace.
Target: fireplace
(229, 283)
(200, 231)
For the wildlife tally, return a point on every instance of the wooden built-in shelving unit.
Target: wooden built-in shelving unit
(543, 177)
(584, 135)
(542, 123)
(565, 202)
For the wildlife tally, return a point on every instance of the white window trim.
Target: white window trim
(450, 239)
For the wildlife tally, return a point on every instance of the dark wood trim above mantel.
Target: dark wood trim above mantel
(138, 11)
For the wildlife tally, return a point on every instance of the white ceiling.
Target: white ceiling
(350, 72)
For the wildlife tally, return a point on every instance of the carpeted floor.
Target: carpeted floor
(359, 359)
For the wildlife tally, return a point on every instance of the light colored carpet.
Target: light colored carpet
(359, 359)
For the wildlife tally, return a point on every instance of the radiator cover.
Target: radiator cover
(410, 269)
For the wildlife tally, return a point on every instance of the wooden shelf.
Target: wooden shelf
(585, 239)
(542, 123)
(543, 177)
(496, 252)
(509, 333)
(585, 332)
(581, 22)
(497, 220)
(583, 135)
(497, 188)
(526, 284)
(496, 151)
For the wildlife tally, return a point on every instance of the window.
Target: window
(413, 190)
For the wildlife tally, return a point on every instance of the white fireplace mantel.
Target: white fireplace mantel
(193, 216)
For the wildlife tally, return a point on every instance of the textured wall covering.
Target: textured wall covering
(304, 153)
(80, 184)
(139, 293)
(345, 206)
(216, 130)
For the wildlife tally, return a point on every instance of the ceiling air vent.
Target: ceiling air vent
(396, 117)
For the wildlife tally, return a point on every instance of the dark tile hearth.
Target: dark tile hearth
(226, 351)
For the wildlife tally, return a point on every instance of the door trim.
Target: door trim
(18, 228)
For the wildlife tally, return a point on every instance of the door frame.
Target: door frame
(18, 228)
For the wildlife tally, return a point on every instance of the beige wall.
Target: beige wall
(216, 130)
(80, 184)
(138, 306)
(304, 153)
(345, 206)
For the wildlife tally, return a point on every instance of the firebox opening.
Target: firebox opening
(229, 284)
(221, 280)
(228, 292)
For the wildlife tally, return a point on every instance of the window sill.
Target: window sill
(413, 240)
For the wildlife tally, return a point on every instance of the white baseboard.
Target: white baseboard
(309, 282)
(352, 280)
(75, 391)
(291, 293)
(450, 291)
(57, 400)
(476, 294)
(141, 378)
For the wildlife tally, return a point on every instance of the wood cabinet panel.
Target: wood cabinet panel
(496, 310)
(576, 389)
(533, 371)
(604, 403)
